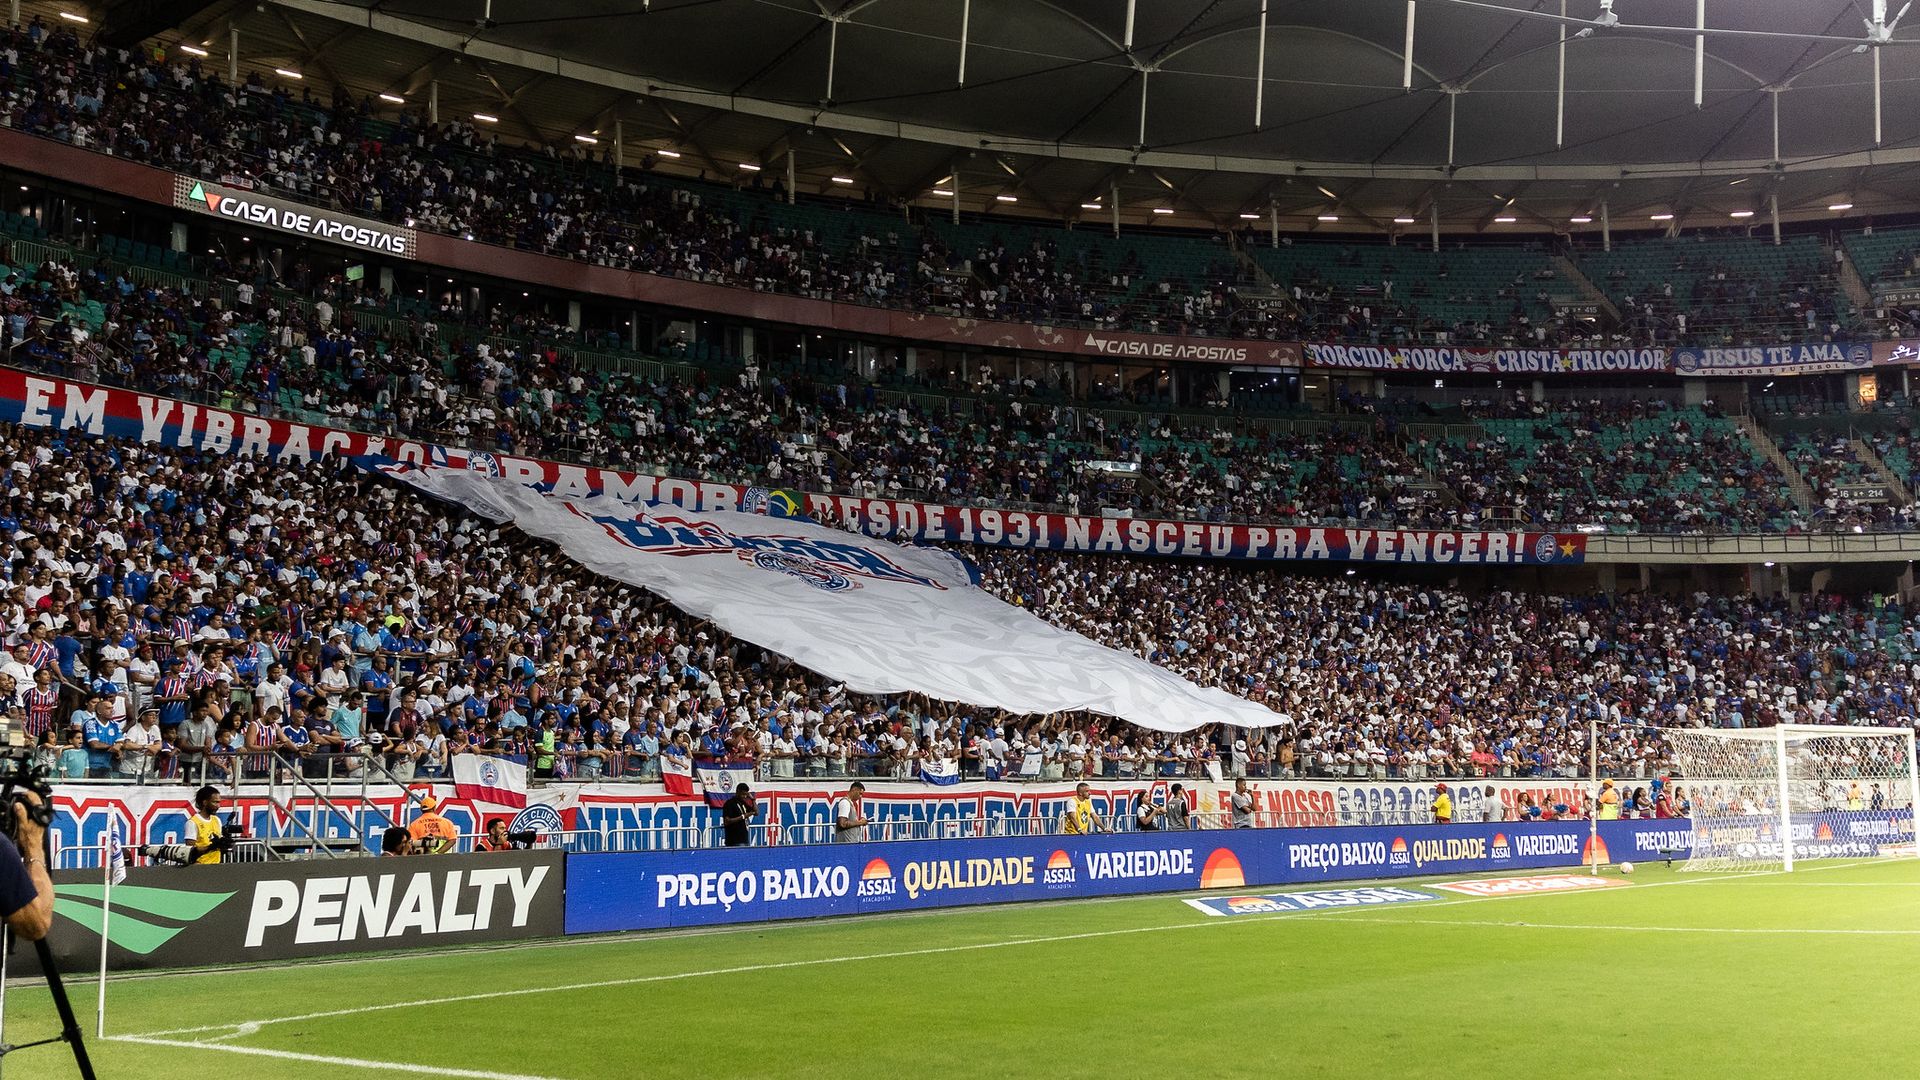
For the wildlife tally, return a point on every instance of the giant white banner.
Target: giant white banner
(881, 617)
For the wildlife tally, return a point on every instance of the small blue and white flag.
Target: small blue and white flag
(116, 855)
(943, 771)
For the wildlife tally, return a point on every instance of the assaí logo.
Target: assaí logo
(877, 881)
(1397, 855)
(1501, 850)
(1059, 872)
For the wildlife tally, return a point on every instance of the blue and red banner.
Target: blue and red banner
(48, 402)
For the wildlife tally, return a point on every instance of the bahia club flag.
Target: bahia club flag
(116, 855)
(717, 781)
(480, 778)
(943, 772)
(676, 772)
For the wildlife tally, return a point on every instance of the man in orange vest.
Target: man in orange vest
(432, 834)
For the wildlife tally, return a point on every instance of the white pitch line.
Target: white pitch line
(1836, 930)
(325, 1059)
(253, 1026)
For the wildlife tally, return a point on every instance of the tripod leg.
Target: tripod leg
(69, 1027)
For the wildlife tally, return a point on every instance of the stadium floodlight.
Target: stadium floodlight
(393, 99)
(749, 166)
(588, 139)
(72, 18)
(1581, 219)
(1505, 220)
(1006, 198)
(288, 73)
(1163, 210)
(668, 153)
(1741, 214)
(486, 118)
(945, 193)
(1405, 221)
(1759, 798)
(193, 50)
(1663, 217)
(1249, 217)
(1090, 206)
(1840, 206)
(843, 179)
(1328, 217)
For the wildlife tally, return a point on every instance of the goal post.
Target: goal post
(1762, 798)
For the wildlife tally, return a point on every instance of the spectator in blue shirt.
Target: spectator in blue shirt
(102, 735)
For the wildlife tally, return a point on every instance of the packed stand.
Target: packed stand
(454, 178)
(1378, 678)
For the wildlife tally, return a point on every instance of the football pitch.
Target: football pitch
(1664, 974)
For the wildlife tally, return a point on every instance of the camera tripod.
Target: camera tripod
(69, 1026)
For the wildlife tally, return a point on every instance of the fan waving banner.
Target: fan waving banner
(880, 617)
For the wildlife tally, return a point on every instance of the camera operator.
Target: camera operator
(210, 841)
(26, 893)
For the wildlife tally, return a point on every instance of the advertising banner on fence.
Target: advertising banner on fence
(46, 402)
(646, 890)
(879, 617)
(1445, 359)
(1774, 359)
(237, 913)
(152, 814)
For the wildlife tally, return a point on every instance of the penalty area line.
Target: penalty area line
(327, 1059)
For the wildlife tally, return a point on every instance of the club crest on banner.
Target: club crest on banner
(539, 818)
(815, 573)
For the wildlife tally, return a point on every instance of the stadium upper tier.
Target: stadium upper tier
(1647, 464)
(289, 587)
(452, 178)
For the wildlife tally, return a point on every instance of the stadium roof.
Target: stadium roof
(1063, 101)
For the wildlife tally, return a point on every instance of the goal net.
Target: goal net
(1763, 798)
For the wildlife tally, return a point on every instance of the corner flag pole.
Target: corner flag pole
(113, 867)
(1593, 794)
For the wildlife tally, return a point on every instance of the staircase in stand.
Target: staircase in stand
(1803, 496)
(1881, 472)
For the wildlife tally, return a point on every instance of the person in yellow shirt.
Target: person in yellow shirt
(431, 833)
(1080, 820)
(1609, 802)
(208, 835)
(1442, 805)
(1854, 801)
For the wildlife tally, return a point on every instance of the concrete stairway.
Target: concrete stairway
(1803, 496)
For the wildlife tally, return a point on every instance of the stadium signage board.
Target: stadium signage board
(1896, 353)
(85, 814)
(1444, 359)
(44, 402)
(244, 912)
(1897, 297)
(646, 890)
(1865, 493)
(1774, 359)
(1276, 903)
(249, 207)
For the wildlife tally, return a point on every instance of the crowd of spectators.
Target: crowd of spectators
(1570, 465)
(453, 177)
(173, 613)
(1644, 465)
(1378, 677)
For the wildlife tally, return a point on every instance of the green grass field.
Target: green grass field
(1681, 975)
